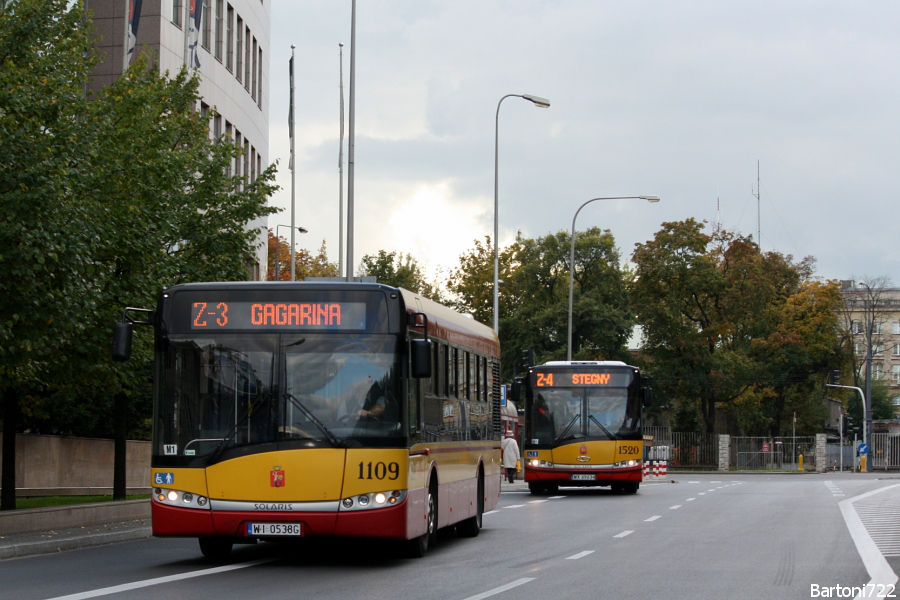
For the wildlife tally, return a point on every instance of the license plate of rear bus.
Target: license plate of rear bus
(273, 529)
(583, 477)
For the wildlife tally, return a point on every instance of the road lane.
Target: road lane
(746, 536)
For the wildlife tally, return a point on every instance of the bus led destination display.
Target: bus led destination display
(213, 315)
(573, 378)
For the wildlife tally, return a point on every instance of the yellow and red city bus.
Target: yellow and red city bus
(325, 408)
(583, 425)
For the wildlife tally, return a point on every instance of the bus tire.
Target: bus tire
(471, 526)
(536, 489)
(215, 548)
(417, 547)
(631, 487)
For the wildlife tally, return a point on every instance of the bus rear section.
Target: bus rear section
(583, 426)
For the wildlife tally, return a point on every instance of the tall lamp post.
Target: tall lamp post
(277, 238)
(540, 103)
(869, 310)
(572, 257)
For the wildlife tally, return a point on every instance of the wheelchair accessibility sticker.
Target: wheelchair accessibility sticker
(163, 478)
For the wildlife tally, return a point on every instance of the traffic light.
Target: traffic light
(528, 355)
(848, 424)
(834, 376)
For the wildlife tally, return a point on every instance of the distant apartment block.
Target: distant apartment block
(227, 41)
(876, 308)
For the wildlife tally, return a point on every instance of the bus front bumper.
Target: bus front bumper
(560, 475)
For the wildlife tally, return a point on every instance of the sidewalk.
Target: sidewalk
(25, 544)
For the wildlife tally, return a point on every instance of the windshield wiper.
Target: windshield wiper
(562, 436)
(308, 414)
(237, 427)
(605, 430)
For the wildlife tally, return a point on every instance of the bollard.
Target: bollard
(800, 463)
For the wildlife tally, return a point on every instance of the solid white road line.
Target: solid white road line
(876, 565)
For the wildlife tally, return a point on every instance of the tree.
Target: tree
(398, 270)
(728, 326)
(305, 264)
(125, 195)
(45, 55)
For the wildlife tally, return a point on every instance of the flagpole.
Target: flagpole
(187, 18)
(125, 44)
(350, 143)
(341, 173)
(293, 170)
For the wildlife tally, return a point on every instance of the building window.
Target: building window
(896, 401)
(896, 351)
(877, 370)
(177, 12)
(229, 135)
(877, 328)
(856, 327)
(258, 164)
(253, 75)
(237, 159)
(217, 126)
(239, 51)
(229, 39)
(877, 349)
(896, 328)
(247, 58)
(246, 168)
(252, 164)
(859, 349)
(220, 17)
(205, 25)
(259, 79)
(895, 373)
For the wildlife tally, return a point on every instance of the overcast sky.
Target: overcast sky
(676, 99)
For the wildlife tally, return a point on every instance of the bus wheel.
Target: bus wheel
(536, 489)
(417, 547)
(631, 487)
(215, 548)
(471, 526)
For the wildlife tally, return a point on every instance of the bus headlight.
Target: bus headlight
(373, 501)
(540, 463)
(626, 464)
(179, 498)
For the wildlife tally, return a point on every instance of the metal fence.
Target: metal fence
(772, 453)
(885, 451)
(694, 451)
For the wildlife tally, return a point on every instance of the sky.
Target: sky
(689, 101)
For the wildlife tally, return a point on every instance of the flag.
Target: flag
(134, 17)
(291, 111)
(195, 20)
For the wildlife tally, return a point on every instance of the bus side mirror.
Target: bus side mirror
(420, 353)
(647, 397)
(516, 391)
(121, 350)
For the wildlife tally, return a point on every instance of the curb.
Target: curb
(18, 550)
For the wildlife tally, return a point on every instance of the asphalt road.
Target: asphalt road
(701, 537)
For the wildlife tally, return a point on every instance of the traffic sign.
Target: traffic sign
(863, 449)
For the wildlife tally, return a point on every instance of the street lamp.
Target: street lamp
(277, 238)
(540, 103)
(572, 257)
(869, 311)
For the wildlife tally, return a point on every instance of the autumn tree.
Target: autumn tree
(305, 263)
(727, 326)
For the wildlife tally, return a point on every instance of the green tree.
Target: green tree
(398, 270)
(104, 203)
(728, 326)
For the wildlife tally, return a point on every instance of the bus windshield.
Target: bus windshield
(228, 391)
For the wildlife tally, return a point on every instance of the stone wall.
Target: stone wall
(57, 465)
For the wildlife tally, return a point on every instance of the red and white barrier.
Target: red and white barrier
(655, 470)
